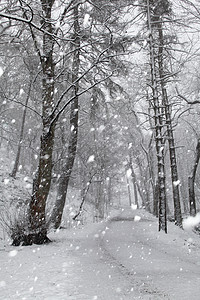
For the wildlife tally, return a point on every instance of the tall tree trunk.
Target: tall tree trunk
(150, 159)
(170, 135)
(57, 212)
(129, 189)
(99, 198)
(133, 177)
(17, 159)
(184, 195)
(83, 197)
(173, 164)
(41, 186)
(135, 188)
(42, 180)
(159, 139)
(156, 200)
(144, 189)
(191, 181)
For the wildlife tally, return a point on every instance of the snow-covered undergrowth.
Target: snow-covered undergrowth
(191, 222)
(14, 196)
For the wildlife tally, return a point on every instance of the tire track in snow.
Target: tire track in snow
(144, 287)
(99, 272)
(159, 262)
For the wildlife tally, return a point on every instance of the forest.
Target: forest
(99, 104)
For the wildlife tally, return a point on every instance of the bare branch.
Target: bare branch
(78, 95)
(76, 81)
(185, 99)
(30, 23)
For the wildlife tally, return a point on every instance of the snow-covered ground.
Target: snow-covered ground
(122, 258)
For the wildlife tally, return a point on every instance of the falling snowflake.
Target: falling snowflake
(21, 91)
(90, 159)
(128, 172)
(176, 183)
(86, 20)
(101, 128)
(6, 181)
(133, 206)
(1, 71)
(12, 253)
(137, 218)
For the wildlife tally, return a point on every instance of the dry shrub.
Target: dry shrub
(14, 221)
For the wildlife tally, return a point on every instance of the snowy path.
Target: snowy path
(166, 266)
(73, 267)
(119, 259)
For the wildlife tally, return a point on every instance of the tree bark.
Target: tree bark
(41, 185)
(173, 164)
(191, 181)
(159, 139)
(83, 198)
(99, 198)
(57, 212)
(17, 159)
(133, 177)
(42, 180)
(37, 227)
(129, 190)
(150, 159)
(170, 135)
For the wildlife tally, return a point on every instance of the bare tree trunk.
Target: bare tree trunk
(173, 164)
(135, 187)
(109, 191)
(42, 180)
(144, 189)
(158, 119)
(100, 199)
(171, 142)
(83, 198)
(57, 212)
(41, 186)
(17, 159)
(133, 177)
(56, 216)
(150, 159)
(37, 231)
(191, 181)
(129, 190)
(156, 200)
(183, 191)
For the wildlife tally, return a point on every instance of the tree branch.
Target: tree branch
(78, 95)
(30, 23)
(185, 99)
(76, 81)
